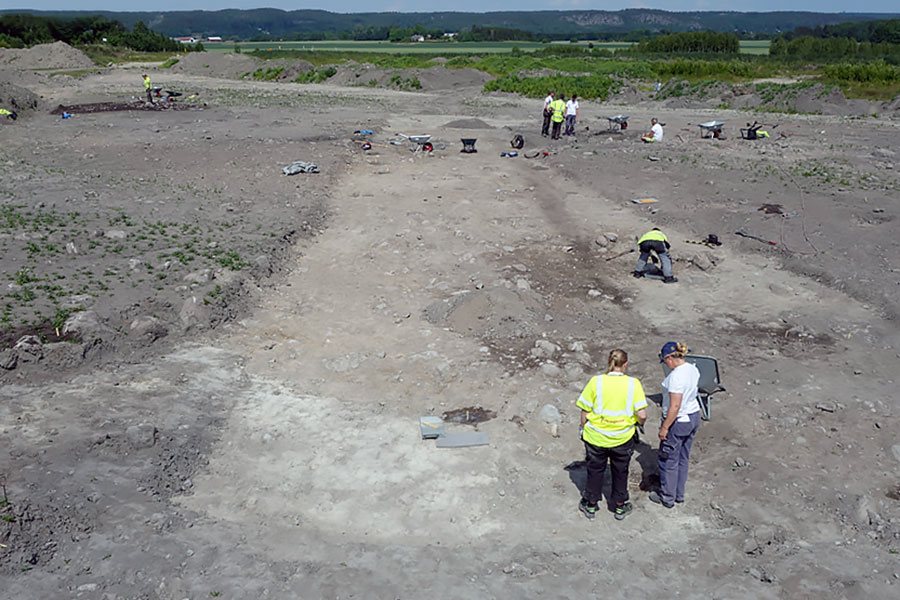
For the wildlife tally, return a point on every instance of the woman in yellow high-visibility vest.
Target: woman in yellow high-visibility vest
(612, 406)
(558, 107)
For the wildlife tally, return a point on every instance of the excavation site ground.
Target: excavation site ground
(213, 372)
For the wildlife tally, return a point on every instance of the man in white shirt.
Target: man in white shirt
(571, 113)
(656, 132)
(545, 127)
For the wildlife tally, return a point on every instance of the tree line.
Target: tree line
(687, 42)
(832, 49)
(25, 30)
(877, 32)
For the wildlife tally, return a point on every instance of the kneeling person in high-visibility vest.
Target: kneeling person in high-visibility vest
(612, 406)
(655, 241)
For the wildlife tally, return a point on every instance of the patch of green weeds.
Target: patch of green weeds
(267, 73)
(316, 75)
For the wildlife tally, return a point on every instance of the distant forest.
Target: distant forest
(631, 24)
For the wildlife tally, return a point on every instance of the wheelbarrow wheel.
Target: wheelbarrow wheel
(427, 147)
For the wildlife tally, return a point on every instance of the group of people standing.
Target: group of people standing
(558, 111)
(613, 407)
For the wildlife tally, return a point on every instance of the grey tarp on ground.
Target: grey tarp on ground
(300, 167)
(462, 439)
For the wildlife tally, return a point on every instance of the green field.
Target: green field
(747, 47)
(390, 48)
(755, 46)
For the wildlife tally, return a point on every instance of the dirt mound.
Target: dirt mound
(292, 68)
(892, 105)
(628, 94)
(437, 77)
(15, 98)
(58, 55)
(801, 97)
(817, 99)
(467, 124)
(225, 66)
(441, 78)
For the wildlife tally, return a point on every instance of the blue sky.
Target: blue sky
(883, 6)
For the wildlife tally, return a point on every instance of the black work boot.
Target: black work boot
(637, 274)
(670, 279)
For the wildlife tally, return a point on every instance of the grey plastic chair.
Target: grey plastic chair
(709, 380)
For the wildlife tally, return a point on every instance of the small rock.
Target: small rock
(612, 237)
(84, 324)
(114, 234)
(29, 348)
(523, 285)
(141, 436)
(550, 370)
(702, 262)
(87, 587)
(602, 241)
(740, 462)
(550, 415)
(826, 406)
(573, 370)
(750, 546)
(262, 266)
(8, 359)
(197, 277)
(148, 328)
(594, 293)
(193, 312)
(546, 348)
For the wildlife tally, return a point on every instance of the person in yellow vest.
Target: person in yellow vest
(654, 241)
(612, 406)
(148, 87)
(9, 114)
(558, 107)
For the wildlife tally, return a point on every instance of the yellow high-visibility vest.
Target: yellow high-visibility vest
(611, 402)
(147, 83)
(655, 236)
(559, 108)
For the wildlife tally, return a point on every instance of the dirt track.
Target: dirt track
(268, 446)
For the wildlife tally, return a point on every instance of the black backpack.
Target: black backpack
(517, 142)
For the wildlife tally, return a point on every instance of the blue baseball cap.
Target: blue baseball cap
(667, 349)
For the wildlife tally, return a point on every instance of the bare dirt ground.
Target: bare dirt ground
(230, 408)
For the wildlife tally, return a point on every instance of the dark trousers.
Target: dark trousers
(619, 458)
(149, 96)
(545, 126)
(570, 124)
(557, 125)
(674, 458)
